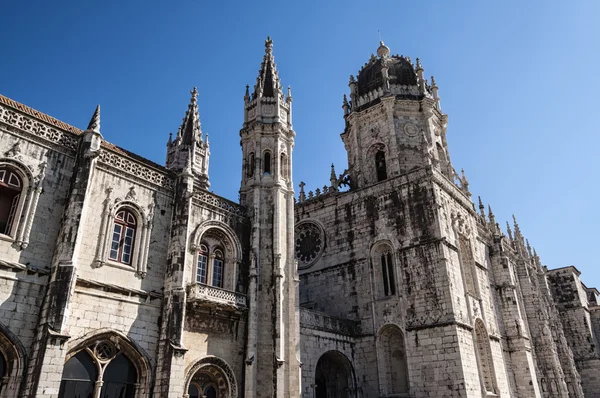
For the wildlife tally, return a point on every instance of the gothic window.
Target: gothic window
(394, 360)
(217, 271)
(267, 162)
(123, 237)
(384, 269)
(251, 165)
(11, 187)
(310, 242)
(101, 361)
(202, 266)
(211, 262)
(211, 377)
(468, 265)
(79, 377)
(380, 166)
(486, 366)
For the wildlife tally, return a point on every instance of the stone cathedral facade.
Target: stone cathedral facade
(123, 278)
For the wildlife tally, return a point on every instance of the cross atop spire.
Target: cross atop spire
(267, 82)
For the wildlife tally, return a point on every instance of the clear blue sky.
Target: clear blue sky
(518, 79)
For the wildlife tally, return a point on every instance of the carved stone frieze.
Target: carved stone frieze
(138, 170)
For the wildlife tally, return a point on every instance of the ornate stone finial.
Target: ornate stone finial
(419, 66)
(94, 124)
(491, 215)
(510, 235)
(345, 105)
(352, 80)
(529, 251)
(247, 94)
(170, 142)
(269, 45)
(332, 179)
(194, 93)
(383, 51)
(481, 207)
(302, 195)
(433, 83)
(464, 183)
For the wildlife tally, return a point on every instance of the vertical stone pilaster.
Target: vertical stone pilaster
(48, 354)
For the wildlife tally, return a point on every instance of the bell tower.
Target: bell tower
(394, 123)
(267, 140)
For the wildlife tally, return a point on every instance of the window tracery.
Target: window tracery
(100, 367)
(384, 268)
(310, 242)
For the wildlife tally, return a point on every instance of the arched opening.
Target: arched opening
(211, 377)
(384, 270)
(486, 365)
(123, 236)
(334, 376)
(11, 187)
(395, 364)
(119, 378)
(79, 376)
(103, 367)
(380, 166)
(267, 163)
(215, 260)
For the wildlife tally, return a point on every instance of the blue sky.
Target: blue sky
(519, 81)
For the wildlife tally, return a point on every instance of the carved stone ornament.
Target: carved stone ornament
(411, 130)
(461, 225)
(310, 242)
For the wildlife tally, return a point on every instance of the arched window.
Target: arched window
(486, 365)
(123, 237)
(11, 186)
(202, 264)
(267, 163)
(100, 361)
(217, 271)
(380, 166)
(79, 376)
(394, 360)
(210, 263)
(210, 392)
(251, 165)
(384, 270)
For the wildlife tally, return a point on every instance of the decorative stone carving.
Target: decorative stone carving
(411, 130)
(310, 242)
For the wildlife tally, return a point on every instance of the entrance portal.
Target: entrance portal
(334, 377)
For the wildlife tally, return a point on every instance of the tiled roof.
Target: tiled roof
(71, 129)
(39, 115)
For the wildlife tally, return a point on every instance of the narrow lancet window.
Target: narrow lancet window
(267, 163)
(380, 166)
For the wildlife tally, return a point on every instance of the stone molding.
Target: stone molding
(319, 321)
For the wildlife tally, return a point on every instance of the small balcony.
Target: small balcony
(215, 297)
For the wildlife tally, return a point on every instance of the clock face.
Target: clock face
(411, 130)
(309, 243)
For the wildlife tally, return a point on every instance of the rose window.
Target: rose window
(309, 243)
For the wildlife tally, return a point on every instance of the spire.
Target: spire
(510, 235)
(267, 83)
(190, 129)
(332, 177)
(94, 124)
(481, 208)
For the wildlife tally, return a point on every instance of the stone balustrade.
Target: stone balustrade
(210, 294)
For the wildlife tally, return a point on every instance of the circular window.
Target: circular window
(310, 241)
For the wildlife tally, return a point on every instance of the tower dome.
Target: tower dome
(400, 72)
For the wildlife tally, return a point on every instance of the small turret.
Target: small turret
(189, 146)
